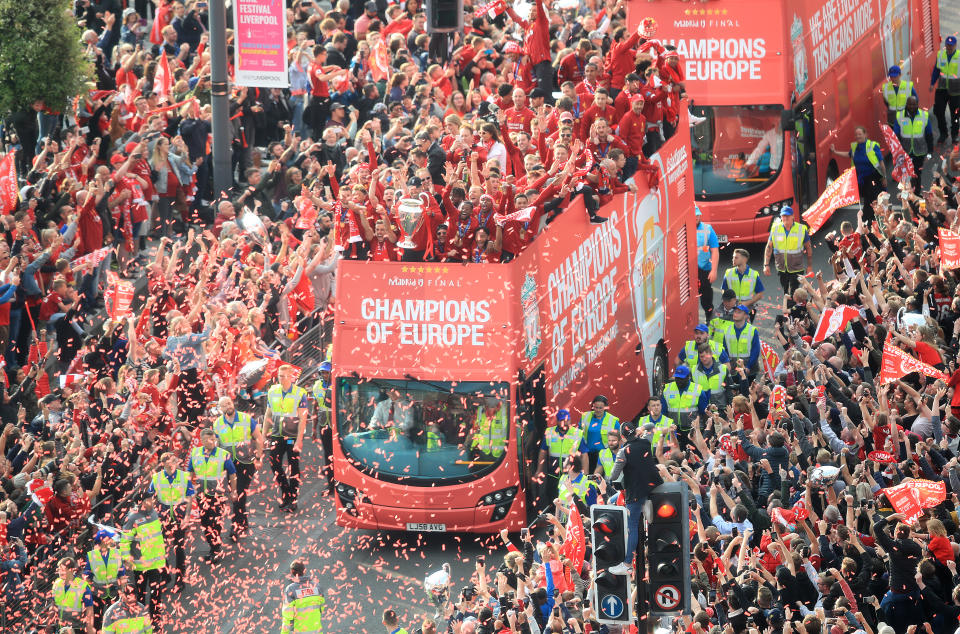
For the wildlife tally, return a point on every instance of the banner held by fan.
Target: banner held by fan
(8, 184)
(897, 364)
(949, 249)
(834, 320)
(840, 193)
(902, 165)
(770, 359)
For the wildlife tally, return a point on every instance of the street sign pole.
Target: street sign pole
(219, 99)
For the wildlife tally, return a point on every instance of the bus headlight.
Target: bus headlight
(503, 496)
(349, 497)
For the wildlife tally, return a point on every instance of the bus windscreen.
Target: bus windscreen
(423, 433)
(737, 150)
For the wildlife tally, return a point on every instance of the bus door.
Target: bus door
(532, 423)
(805, 152)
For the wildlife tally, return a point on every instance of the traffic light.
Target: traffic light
(444, 16)
(611, 592)
(668, 550)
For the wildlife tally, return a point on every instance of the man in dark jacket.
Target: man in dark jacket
(776, 455)
(901, 606)
(436, 157)
(638, 464)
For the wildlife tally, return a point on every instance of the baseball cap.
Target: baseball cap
(415, 181)
(336, 104)
(103, 534)
(511, 47)
(682, 372)
(538, 93)
(950, 41)
(635, 98)
(563, 415)
(787, 210)
(128, 11)
(566, 116)
(742, 307)
(325, 366)
(894, 71)
(701, 328)
(370, 6)
(130, 147)
(696, 210)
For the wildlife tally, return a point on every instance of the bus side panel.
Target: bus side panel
(611, 302)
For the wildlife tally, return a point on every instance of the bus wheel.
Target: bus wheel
(661, 369)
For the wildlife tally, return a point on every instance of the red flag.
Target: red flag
(902, 165)
(574, 547)
(162, 79)
(492, 9)
(897, 363)
(118, 299)
(307, 212)
(840, 193)
(380, 60)
(949, 249)
(834, 320)
(770, 359)
(8, 184)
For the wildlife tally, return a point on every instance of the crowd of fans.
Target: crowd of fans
(495, 132)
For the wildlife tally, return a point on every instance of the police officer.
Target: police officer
(701, 336)
(867, 159)
(662, 425)
(559, 441)
(708, 259)
(287, 411)
(127, 615)
(488, 436)
(72, 598)
(174, 493)
(681, 398)
(143, 550)
(303, 603)
(711, 376)
(608, 455)
(323, 398)
(208, 464)
(103, 568)
(946, 78)
(723, 317)
(788, 242)
(916, 136)
(895, 92)
(743, 342)
(575, 485)
(240, 435)
(595, 425)
(744, 281)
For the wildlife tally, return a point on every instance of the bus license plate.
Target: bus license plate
(723, 239)
(426, 528)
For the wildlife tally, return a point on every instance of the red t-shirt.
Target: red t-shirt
(927, 353)
(383, 251)
(318, 87)
(518, 120)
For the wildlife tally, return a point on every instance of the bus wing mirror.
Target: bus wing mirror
(787, 120)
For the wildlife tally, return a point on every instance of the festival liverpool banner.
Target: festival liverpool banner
(840, 193)
(949, 249)
(912, 496)
(260, 48)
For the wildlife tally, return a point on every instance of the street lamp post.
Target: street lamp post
(220, 103)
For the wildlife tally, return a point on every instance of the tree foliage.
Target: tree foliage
(41, 55)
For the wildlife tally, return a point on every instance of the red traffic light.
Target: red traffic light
(666, 511)
(605, 524)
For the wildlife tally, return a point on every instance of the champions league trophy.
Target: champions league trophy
(437, 585)
(252, 224)
(824, 476)
(410, 213)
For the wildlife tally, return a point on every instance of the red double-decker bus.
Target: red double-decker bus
(776, 83)
(422, 353)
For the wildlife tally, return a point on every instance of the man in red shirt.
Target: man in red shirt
(621, 58)
(633, 131)
(602, 140)
(601, 108)
(320, 76)
(587, 88)
(572, 66)
(519, 116)
(537, 44)
(653, 98)
(516, 69)
(621, 104)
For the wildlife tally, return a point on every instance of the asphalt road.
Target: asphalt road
(365, 572)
